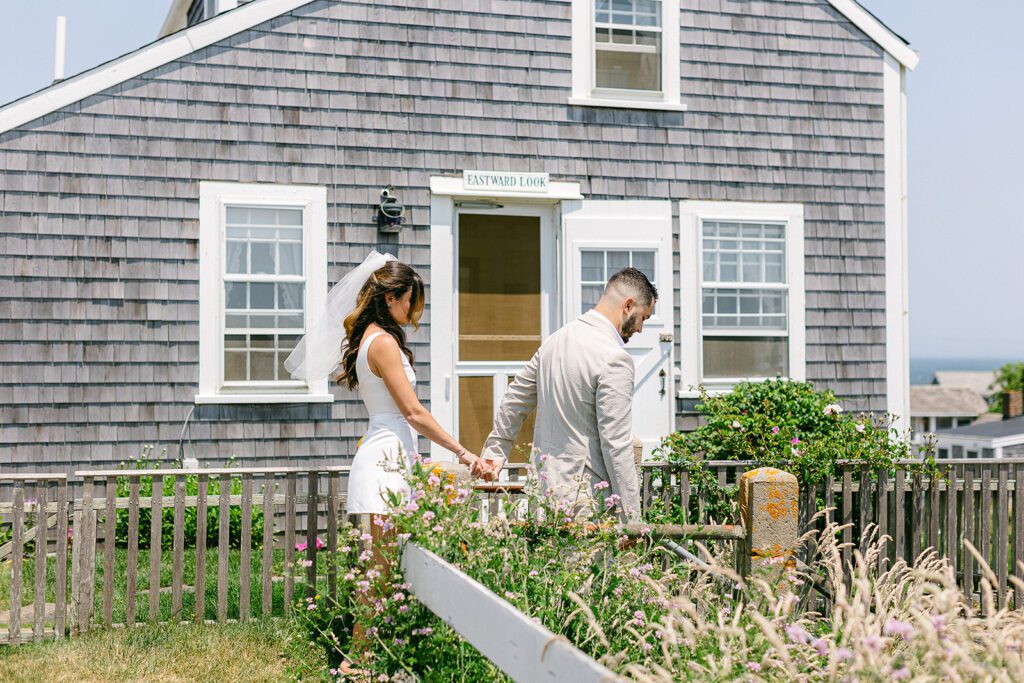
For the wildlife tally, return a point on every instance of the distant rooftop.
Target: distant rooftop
(979, 381)
(941, 401)
(989, 430)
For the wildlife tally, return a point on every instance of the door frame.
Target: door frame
(447, 193)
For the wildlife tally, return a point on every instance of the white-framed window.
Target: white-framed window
(742, 281)
(262, 273)
(625, 53)
(597, 265)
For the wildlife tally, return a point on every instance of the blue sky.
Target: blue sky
(966, 146)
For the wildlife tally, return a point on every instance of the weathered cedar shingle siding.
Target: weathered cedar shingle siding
(99, 202)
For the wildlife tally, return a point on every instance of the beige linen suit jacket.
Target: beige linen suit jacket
(581, 382)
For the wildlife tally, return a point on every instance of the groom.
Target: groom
(581, 383)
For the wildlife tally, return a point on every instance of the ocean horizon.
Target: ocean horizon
(923, 368)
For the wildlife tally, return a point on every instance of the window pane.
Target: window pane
(617, 260)
(262, 257)
(476, 411)
(740, 357)
(262, 366)
(261, 295)
(291, 258)
(759, 257)
(234, 366)
(644, 262)
(591, 295)
(237, 214)
(237, 257)
(756, 309)
(289, 296)
(234, 294)
(592, 265)
(629, 69)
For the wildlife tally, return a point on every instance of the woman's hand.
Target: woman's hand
(478, 467)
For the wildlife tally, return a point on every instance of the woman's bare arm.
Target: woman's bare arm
(385, 360)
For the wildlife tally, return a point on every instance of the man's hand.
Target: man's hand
(488, 469)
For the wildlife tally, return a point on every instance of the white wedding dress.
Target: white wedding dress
(388, 441)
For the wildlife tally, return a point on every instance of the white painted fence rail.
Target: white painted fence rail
(525, 650)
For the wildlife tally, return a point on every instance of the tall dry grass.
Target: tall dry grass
(907, 622)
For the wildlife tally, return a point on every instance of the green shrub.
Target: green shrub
(785, 424)
(167, 514)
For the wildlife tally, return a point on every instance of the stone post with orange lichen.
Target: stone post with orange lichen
(769, 509)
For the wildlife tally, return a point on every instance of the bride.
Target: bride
(361, 342)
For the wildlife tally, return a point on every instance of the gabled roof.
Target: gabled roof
(188, 40)
(934, 401)
(980, 381)
(989, 430)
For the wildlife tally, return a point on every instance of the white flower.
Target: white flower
(860, 427)
(833, 409)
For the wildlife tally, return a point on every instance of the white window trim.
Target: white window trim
(213, 196)
(583, 91)
(691, 214)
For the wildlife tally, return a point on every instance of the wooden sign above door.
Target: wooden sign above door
(505, 180)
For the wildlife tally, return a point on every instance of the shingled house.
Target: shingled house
(170, 221)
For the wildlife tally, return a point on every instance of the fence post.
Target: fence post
(769, 508)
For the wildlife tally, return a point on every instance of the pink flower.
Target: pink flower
(428, 516)
(833, 409)
(872, 643)
(895, 627)
(797, 633)
(736, 424)
(794, 441)
(900, 674)
(775, 430)
(753, 666)
(600, 485)
(843, 653)
(611, 501)
(412, 507)
(301, 546)
(306, 563)
(820, 646)
(860, 427)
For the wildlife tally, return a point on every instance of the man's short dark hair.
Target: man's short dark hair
(634, 283)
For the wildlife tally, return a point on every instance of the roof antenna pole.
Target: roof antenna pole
(58, 57)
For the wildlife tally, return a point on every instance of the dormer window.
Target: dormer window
(626, 54)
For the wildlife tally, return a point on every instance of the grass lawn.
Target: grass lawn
(262, 650)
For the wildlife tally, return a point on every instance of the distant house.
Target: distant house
(934, 408)
(171, 221)
(989, 439)
(980, 382)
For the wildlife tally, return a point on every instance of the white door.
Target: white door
(601, 238)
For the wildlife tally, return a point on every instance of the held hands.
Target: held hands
(485, 469)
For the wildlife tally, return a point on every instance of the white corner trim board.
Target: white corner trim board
(897, 347)
(163, 51)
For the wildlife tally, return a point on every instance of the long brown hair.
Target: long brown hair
(394, 278)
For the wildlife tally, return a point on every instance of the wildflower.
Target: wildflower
(754, 666)
(895, 627)
(310, 607)
(843, 653)
(601, 485)
(534, 573)
(794, 441)
(611, 501)
(428, 516)
(366, 538)
(425, 631)
(345, 548)
(736, 424)
(797, 634)
(301, 546)
(833, 409)
(433, 480)
(402, 609)
(860, 427)
(775, 430)
(437, 529)
(938, 621)
(383, 678)
(509, 595)
(306, 563)
(398, 597)
(462, 495)
(412, 506)
(900, 673)
(820, 646)
(872, 643)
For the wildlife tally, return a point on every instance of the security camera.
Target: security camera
(390, 213)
